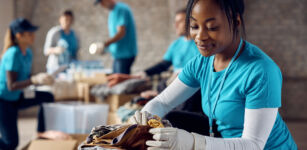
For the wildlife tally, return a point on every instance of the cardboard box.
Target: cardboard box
(39, 144)
(115, 101)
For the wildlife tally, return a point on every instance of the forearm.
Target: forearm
(158, 68)
(258, 124)
(12, 82)
(175, 94)
(119, 35)
(19, 85)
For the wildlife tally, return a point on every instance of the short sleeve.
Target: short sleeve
(168, 56)
(121, 19)
(188, 74)
(263, 86)
(11, 61)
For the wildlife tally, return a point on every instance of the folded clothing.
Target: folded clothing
(125, 137)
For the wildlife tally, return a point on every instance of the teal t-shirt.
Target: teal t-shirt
(121, 15)
(13, 60)
(180, 52)
(253, 81)
(70, 42)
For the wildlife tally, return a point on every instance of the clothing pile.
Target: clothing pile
(121, 136)
(127, 87)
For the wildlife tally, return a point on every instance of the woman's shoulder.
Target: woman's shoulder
(12, 51)
(256, 59)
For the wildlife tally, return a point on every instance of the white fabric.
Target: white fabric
(175, 94)
(170, 138)
(53, 36)
(258, 124)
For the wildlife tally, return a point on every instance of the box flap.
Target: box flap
(53, 145)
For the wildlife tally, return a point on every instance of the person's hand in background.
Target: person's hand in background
(56, 50)
(117, 78)
(97, 48)
(42, 79)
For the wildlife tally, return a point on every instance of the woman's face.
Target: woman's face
(180, 24)
(209, 28)
(66, 21)
(26, 38)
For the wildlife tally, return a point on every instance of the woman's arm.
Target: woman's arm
(258, 124)
(175, 94)
(12, 82)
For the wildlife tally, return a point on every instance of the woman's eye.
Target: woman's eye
(194, 27)
(213, 28)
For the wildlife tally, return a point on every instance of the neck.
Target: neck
(66, 31)
(113, 3)
(23, 48)
(222, 59)
(227, 54)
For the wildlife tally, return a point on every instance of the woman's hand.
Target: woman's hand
(170, 139)
(42, 79)
(141, 117)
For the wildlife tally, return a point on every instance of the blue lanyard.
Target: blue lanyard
(211, 113)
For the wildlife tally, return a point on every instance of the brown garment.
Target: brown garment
(129, 137)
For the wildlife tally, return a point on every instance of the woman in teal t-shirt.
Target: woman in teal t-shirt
(15, 75)
(240, 86)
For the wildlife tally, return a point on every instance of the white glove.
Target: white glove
(42, 78)
(96, 48)
(141, 117)
(170, 139)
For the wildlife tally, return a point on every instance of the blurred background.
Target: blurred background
(279, 27)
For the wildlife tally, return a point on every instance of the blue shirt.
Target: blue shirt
(70, 42)
(253, 81)
(13, 60)
(180, 52)
(126, 47)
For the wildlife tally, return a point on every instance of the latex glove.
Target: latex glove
(141, 117)
(42, 78)
(97, 48)
(170, 139)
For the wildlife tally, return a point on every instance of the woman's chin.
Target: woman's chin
(205, 53)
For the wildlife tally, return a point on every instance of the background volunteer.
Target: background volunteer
(122, 43)
(61, 44)
(15, 75)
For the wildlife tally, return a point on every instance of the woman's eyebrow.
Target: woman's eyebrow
(210, 19)
(207, 20)
(192, 18)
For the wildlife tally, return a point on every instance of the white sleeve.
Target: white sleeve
(175, 94)
(51, 38)
(258, 124)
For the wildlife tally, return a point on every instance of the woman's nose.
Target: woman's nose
(202, 35)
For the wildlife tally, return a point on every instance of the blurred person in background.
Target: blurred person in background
(61, 44)
(15, 77)
(177, 55)
(122, 43)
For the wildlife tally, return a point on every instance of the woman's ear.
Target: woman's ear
(239, 22)
(18, 35)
